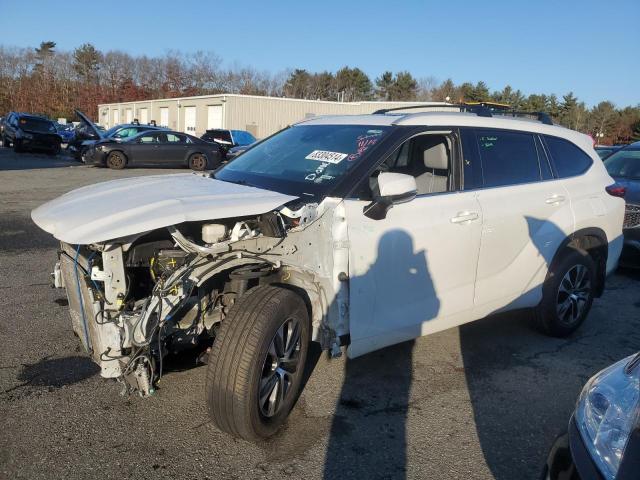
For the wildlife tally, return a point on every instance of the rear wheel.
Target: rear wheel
(116, 160)
(198, 162)
(567, 294)
(257, 362)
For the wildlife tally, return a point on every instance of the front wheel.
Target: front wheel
(567, 294)
(198, 162)
(116, 160)
(257, 362)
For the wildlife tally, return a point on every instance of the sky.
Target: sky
(588, 47)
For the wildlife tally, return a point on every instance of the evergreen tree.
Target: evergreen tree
(384, 84)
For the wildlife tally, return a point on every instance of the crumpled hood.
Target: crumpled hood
(119, 208)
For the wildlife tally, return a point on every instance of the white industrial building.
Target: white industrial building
(261, 116)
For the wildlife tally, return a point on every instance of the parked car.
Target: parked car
(1, 124)
(624, 166)
(228, 138)
(88, 133)
(233, 152)
(355, 232)
(30, 132)
(66, 132)
(602, 441)
(161, 148)
(605, 150)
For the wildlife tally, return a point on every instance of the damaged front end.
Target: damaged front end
(136, 299)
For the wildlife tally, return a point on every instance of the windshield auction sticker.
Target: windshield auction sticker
(324, 156)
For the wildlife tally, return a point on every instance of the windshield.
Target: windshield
(37, 125)
(111, 131)
(303, 159)
(624, 163)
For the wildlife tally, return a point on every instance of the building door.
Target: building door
(116, 117)
(128, 115)
(214, 117)
(190, 120)
(144, 116)
(164, 116)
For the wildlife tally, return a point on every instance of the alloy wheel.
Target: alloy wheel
(573, 294)
(279, 366)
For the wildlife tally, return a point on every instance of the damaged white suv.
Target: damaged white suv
(349, 231)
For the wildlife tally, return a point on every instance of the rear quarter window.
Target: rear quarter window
(568, 159)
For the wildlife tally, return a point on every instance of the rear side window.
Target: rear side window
(507, 158)
(568, 159)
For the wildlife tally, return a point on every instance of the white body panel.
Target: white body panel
(413, 272)
(214, 116)
(522, 229)
(119, 208)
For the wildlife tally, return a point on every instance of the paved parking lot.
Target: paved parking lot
(482, 401)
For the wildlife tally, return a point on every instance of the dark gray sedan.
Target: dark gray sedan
(155, 148)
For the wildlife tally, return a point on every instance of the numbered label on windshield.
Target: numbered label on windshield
(325, 156)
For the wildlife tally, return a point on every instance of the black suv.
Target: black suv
(30, 132)
(227, 139)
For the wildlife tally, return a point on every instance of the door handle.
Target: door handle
(555, 200)
(465, 217)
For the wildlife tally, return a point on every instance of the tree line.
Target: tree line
(52, 82)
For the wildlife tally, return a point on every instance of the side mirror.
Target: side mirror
(394, 188)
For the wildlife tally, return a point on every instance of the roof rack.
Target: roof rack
(482, 109)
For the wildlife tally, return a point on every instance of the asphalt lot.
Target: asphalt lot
(482, 401)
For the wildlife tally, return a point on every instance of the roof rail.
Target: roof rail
(482, 109)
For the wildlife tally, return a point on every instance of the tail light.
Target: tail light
(616, 190)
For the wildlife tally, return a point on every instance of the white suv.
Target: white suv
(350, 231)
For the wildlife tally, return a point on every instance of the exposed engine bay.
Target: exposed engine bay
(136, 299)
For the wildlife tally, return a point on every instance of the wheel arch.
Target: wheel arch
(592, 240)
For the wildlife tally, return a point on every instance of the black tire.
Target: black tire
(116, 160)
(17, 146)
(5, 143)
(567, 294)
(198, 162)
(241, 359)
(54, 151)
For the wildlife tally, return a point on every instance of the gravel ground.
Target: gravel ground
(482, 401)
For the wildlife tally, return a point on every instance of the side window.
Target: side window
(428, 159)
(152, 138)
(508, 158)
(568, 159)
(173, 138)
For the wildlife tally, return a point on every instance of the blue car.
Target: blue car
(66, 132)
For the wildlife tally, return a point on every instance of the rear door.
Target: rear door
(146, 149)
(526, 215)
(173, 149)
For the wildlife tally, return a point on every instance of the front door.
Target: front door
(413, 272)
